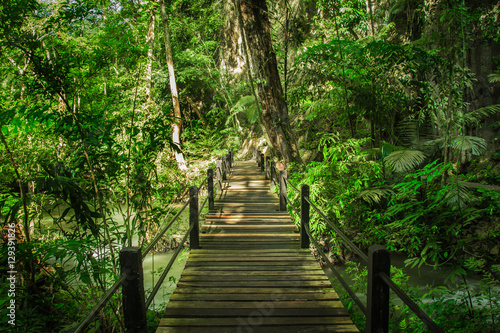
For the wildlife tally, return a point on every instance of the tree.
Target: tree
(177, 122)
(274, 108)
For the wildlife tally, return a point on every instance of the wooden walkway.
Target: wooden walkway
(250, 274)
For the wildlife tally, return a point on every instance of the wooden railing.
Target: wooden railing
(378, 259)
(131, 279)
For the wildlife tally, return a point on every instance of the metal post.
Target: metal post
(268, 162)
(273, 175)
(282, 190)
(134, 301)
(262, 162)
(304, 216)
(210, 174)
(377, 318)
(194, 235)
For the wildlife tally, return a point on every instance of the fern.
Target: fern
(252, 113)
(495, 77)
(374, 195)
(476, 116)
(243, 103)
(404, 160)
(457, 195)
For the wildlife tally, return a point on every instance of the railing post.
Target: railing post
(134, 301)
(377, 318)
(224, 167)
(257, 156)
(268, 162)
(304, 216)
(283, 193)
(218, 170)
(210, 175)
(273, 176)
(194, 235)
(261, 161)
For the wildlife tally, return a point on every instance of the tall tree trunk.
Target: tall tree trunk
(274, 109)
(177, 123)
(149, 66)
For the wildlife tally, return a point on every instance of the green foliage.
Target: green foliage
(404, 160)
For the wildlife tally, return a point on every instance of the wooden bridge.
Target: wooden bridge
(250, 274)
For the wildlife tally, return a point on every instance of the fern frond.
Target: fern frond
(476, 145)
(457, 196)
(374, 195)
(252, 113)
(494, 78)
(477, 115)
(404, 160)
(243, 103)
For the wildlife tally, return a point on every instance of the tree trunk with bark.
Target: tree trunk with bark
(149, 66)
(257, 29)
(177, 123)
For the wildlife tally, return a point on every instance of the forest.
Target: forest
(111, 109)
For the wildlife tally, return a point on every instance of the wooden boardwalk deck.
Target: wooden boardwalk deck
(250, 274)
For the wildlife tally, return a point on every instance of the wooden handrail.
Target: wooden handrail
(131, 279)
(378, 262)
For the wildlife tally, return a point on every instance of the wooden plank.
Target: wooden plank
(301, 277)
(328, 296)
(222, 273)
(247, 328)
(273, 253)
(265, 321)
(254, 305)
(271, 292)
(250, 258)
(249, 284)
(263, 252)
(299, 263)
(248, 225)
(239, 312)
(255, 234)
(250, 274)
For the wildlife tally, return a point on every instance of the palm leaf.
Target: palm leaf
(476, 116)
(476, 145)
(374, 195)
(404, 160)
(386, 149)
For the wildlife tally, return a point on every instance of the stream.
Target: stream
(153, 263)
(423, 278)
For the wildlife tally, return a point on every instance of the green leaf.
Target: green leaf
(404, 160)
(252, 114)
(374, 195)
(476, 145)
